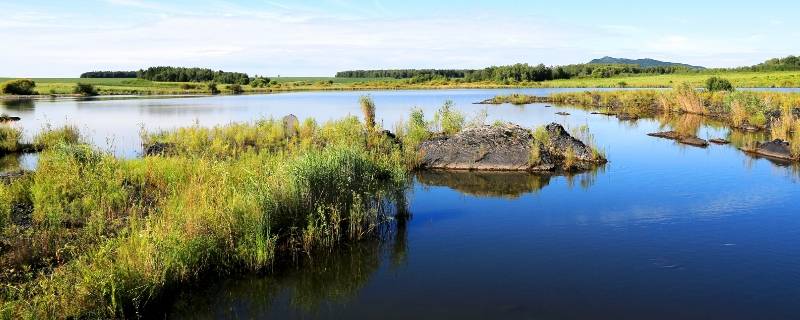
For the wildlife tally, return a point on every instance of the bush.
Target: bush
(259, 82)
(235, 88)
(212, 88)
(85, 89)
(19, 87)
(718, 84)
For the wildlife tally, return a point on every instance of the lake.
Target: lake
(663, 231)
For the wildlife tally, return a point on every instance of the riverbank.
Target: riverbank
(773, 112)
(90, 235)
(65, 86)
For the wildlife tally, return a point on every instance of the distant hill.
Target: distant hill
(644, 63)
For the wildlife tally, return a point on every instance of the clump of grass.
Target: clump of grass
(368, 110)
(688, 99)
(50, 137)
(449, 120)
(9, 139)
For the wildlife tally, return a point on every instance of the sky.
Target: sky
(49, 38)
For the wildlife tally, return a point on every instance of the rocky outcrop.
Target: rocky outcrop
(777, 148)
(681, 138)
(509, 147)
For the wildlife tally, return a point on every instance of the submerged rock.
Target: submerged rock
(509, 147)
(775, 149)
(719, 141)
(681, 138)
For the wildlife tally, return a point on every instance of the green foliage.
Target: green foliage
(18, 87)
(110, 234)
(179, 74)
(212, 88)
(260, 82)
(50, 138)
(368, 110)
(109, 74)
(718, 84)
(449, 120)
(235, 88)
(85, 89)
(9, 139)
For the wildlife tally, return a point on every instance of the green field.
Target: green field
(62, 86)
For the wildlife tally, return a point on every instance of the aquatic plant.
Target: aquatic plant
(9, 139)
(449, 120)
(368, 110)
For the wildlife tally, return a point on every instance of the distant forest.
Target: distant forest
(513, 73)
(525, 72)
(109, 74)
(178, 74)
(175, 74)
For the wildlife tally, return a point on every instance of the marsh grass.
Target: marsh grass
(104, 237)
(9, 139)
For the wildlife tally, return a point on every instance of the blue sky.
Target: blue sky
(318, 38)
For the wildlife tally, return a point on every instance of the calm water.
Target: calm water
(663, 231)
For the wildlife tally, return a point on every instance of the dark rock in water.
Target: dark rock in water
(684, 139)
(5, 118)
(159, 149)
(508, 147)
(548, 106)
(291, 125)
(627, 116)
(719, 141)
(775, 149)
(562, 113)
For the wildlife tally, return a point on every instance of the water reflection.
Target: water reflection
(303, 288)
(500, 184)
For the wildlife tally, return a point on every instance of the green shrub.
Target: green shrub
(714, 84)
(84, 89)
(50, 137)
(260, 82)
(212, 88)
(18, 87)
(235, 88)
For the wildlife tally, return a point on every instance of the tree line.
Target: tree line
(109, 74)
(513, 73)
(180, 74)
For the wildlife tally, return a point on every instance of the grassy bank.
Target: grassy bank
(90, 235)
(774, 112)
(65, 86)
